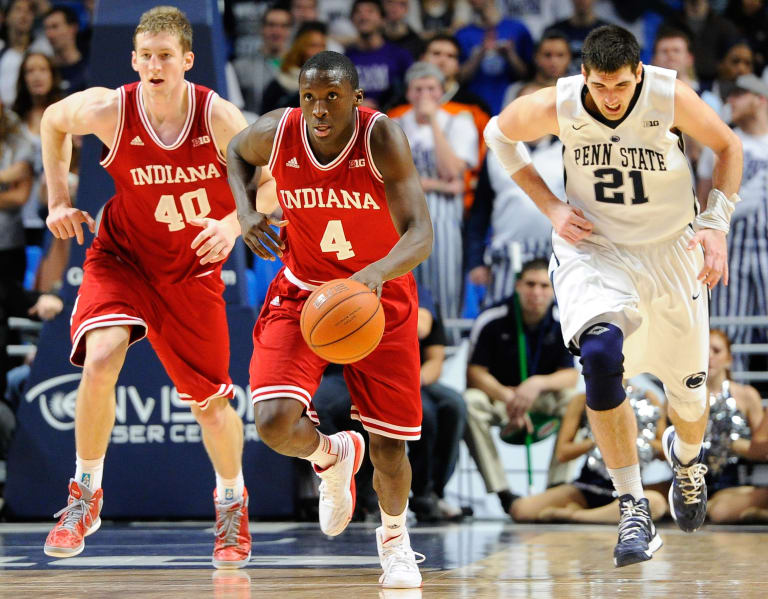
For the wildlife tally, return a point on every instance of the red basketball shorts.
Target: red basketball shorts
(384, 386)
(186, 322)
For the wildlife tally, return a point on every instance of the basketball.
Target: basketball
(342, 321)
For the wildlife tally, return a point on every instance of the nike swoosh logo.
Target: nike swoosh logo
(575, 128)
(695, 297)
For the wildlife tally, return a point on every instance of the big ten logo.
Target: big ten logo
(139, 419)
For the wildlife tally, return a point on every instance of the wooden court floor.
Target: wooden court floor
(486, 559)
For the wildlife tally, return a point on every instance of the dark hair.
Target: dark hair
(535, 264)
(273, 8)
(328, 60)
(553, 34)
(24, 102)
(306, 26)
(726, 44)
(444, 37)
(609, 48)
(666, 32)
(70, 16)
(357, 3)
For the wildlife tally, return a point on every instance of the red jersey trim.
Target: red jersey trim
(118, 128)
(340, 158)
(368, 153)
(184, 130)
(278, 139)
(208, 110)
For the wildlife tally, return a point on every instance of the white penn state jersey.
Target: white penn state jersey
(630, 177)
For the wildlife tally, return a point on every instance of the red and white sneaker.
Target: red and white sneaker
(399, 561)
(78, 520)
(232, 548)
(337, 489)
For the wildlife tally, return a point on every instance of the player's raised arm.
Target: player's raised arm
(407, 206)
(247, 154)
(94, 111)
(694, 117)
(526, 119)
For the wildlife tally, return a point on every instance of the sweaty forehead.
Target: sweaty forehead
(623, 74)
(322, 78)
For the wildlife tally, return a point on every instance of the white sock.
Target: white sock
(88, 473)
(394, 526)
(230, 489)
(326, 453)
(685, 452)
(627, 481)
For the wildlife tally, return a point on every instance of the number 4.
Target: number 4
(334, 241)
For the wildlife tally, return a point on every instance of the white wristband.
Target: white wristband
(718, 213)
(513, 155)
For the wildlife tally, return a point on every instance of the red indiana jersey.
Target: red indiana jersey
(337, 213)
(160, 188)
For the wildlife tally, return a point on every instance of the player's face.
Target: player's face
(37, 75)
(612, 92)
(535, 292)
(160, 61)
(553, 58)
(672, 53)
(327, 103)
(445, 56)
(719, 356)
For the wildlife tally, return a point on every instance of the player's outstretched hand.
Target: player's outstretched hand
(715, 256)
(569, 223)
(64, 222)
(219, 238)
(259, 236)
(371, 277)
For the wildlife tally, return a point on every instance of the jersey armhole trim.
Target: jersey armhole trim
(118, 128)
(368, 153)
(208, 111)
(278, 139)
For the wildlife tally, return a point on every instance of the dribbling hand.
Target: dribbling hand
(569, 223)
(371, 278)
(715, 256)
(259, 236)
(64, 222)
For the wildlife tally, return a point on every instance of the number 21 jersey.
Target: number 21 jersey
(337, 213)
(159, 188)
(629, 176)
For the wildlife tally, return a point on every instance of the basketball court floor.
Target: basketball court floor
(485, 559)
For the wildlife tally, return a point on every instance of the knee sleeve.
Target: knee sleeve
(603, 365)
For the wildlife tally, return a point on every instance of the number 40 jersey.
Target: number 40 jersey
(337, 213)
(629, 176)
(160, 188)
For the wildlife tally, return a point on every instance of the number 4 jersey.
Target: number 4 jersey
(337, 213)
(160, 188)
(629, 176)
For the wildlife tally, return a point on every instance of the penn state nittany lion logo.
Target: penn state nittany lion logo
(694, 381)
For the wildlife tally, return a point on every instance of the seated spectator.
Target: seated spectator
(443, 15)
(734, 60)
(256, 72)
(730, 500)
(283, 91)
(397, 30)
(443, 147)
(751, 18)
(518, 363)
(505, 228)
(495, 51)
(551, 61)
(19, 39)
(591, 498)
(433, 457)
(61, 28)
(380, 64)
(38, 88)
(304, 11)
(577, 27)
(746, 295)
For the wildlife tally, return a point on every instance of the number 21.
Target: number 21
(613, 178)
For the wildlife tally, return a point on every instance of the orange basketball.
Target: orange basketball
(342, 321)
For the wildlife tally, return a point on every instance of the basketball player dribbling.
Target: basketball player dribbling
(352, 207)
(627, 268)
(154, 268)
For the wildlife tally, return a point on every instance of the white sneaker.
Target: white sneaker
(337, 489)
(398, 561)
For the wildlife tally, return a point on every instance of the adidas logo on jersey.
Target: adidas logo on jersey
(275, 301)
(136, 141)
(293, 163)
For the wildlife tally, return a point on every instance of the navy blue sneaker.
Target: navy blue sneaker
(688, 492)
(638, 539)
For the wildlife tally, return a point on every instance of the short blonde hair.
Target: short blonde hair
(166, 19)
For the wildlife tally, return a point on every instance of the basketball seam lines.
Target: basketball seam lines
(378, 307)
